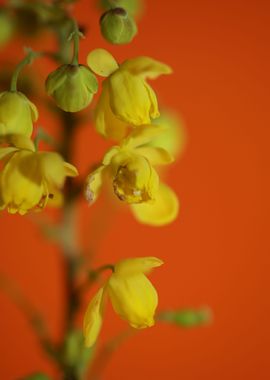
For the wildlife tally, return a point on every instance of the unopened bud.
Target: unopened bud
(117, 26)
(72, 87)
(134, 7)
(17, 114)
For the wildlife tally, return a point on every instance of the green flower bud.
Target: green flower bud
(17, 114)
(134, 7)
(6, 28)
(117, 26)
(72, 87)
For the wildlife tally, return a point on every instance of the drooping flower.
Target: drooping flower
(129, 167)
(72, 87)
(132, 295)
(29, 179)
(126, 99)
(17, 114)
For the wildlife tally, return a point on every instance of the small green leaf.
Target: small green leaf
(187, 317)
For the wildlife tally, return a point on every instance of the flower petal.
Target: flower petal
(93, 319)
(21, 182)
(70, 170)
(106, 123)
(18, 141)
(93, 184)
(102, 62)
(52, 168)
(134, 298)
(156, 156)
(4, 152)
(136, 265)
(146, 66)
(141, 135)
(163, 211)
(129, 98)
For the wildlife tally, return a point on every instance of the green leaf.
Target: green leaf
(187, 318)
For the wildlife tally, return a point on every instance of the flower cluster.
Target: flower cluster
(125, 112)
(29, 179)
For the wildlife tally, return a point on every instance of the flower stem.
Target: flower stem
(76, 42)
(26, 61)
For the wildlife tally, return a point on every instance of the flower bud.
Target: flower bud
(72, 87)
(17, 114)
(6, 29)
(134, 7)
(117, 26)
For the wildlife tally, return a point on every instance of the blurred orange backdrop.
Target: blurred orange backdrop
(217, 252)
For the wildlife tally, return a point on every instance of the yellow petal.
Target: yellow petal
(18, 141)
(109, 155)
(55, 198)
(154, 112)
(106, 123)
(141, 135)
(129, 98)
(17, 114)
(94, 183)
(128, 267)
(134, 298)
(34, 111)
(7, 151)
(156, 156)
(93, 319)
(173, 137)
(134, 179)
(21, 183)
(52, 168)
(163, 211)
(70, 170)
(102, 62)
(146, 67)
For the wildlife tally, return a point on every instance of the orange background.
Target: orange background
(217, 252)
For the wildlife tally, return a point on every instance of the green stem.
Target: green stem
(26, 61)
(76, 44)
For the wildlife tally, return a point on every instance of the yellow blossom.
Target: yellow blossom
(132, 295)
(130, 168)
(126, 99)
(29, 179)
(17, 114)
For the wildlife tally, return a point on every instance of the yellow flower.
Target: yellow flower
(134, 180)
(29, 179)
(132, 295)
(17, 114)
(126, 99)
